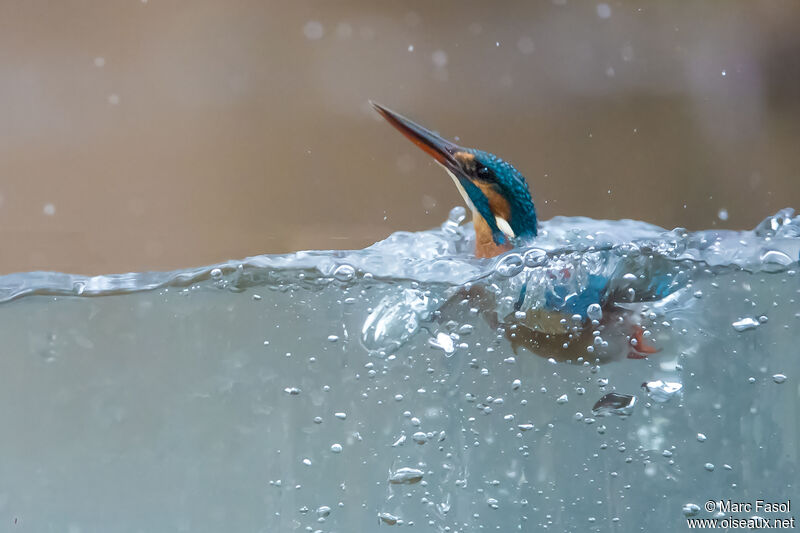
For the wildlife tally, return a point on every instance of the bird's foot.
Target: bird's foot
(640, 348)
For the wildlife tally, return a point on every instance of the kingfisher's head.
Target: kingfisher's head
(502, 209)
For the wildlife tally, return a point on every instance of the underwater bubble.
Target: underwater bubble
(509, 266)
(745, 324)
(534, 257)
(493, 503)
(323, 511)
(216, 273)
(307, 462)
(614, 404)
(709, 467)
(336, 448)
(292, 391)
(420, 437)
(516, 384)
(662, 391)
(722, 214)
(525, 427)
(406, 476)
(778, 378)
(562, 399)
(594, 311)
(701, 437)
(775, 261)
(340, 415)
(388, 519)
(691, 509)
(344, 272)
(444, 342)
(396, 318)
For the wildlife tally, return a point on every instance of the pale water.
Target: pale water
(366, 390)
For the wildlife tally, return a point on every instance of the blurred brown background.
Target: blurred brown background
(166, 134)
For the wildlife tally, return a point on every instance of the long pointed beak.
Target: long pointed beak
(440, 149)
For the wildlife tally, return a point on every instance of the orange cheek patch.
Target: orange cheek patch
(497, 203)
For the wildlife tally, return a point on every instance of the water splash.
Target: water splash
(587, 246)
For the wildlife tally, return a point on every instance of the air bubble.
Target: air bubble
(406, 476)
(594, 311)
(509, 266)
(745, 324)
(344, 273)
(534, 257)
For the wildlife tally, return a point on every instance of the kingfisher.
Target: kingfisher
(503, 213)
(504, 217)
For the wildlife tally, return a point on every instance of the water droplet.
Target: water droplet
(722, 214)
(603, 11)
(313, 30)
(406, 476)
(439, 58)
(745, 324)
(525, 45)
(778, 378)
(49, 209)
(457, 214)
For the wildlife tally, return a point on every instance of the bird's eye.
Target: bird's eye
(483, 172)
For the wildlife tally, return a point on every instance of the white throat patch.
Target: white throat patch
(502, 223)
